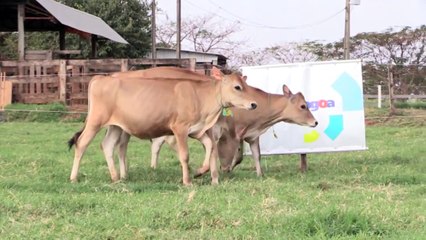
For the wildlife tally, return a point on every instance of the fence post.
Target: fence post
(5, 91)
(192, 64)
(391, 87)
(124, 65)
(62, 80)
(379, 96)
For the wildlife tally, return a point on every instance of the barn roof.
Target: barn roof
(200, 56)
(49, 15)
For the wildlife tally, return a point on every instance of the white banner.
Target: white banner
(333, 91)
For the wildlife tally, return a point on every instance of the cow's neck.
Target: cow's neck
(215, 100)
(278, 105)
(268, 113)
(210, 98)
(272, 110)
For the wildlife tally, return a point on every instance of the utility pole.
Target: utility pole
(153, 33)
(346, 39)
(178, 28)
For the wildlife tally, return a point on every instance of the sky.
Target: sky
(269, 22)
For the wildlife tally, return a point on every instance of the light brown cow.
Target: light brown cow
(249, 125)
(149, 108)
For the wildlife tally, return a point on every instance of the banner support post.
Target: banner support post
(303, 162)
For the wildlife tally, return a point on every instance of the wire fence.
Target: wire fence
(404, 79)
(80, 114)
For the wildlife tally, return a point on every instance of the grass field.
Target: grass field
(374, 194)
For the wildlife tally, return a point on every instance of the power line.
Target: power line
(250, 23)
(208, 11)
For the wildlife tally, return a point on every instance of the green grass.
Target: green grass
(374, 194)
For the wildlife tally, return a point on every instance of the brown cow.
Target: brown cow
(249, 125)
(149, 108)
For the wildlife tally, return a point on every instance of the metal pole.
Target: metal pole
(153, 33)
(346, 39)
(178, 28)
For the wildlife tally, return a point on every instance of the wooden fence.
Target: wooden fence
(46, 81)
(5, 91)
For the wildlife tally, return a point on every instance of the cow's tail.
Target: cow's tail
(74, 139)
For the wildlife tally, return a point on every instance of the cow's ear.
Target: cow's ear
(216, 73)
(286, 90)
(244, 78)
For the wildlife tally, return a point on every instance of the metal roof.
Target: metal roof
(165, 53)
(80, 20)
(49, 15)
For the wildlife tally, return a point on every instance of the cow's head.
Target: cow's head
(233, 90)
(297, 110)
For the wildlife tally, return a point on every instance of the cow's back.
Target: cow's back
(172, 73)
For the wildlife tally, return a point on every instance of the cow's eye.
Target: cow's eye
(238, 88)
(303, 106)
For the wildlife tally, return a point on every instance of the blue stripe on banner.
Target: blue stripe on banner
(335, 126)
(350, 91)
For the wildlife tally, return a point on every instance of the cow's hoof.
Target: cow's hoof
(187, 184)
(200, 172)
(215, 182)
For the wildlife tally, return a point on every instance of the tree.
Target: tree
(324, 51)
(291, 53)
(201, 34)
(405, 49)
(130, 18)
(250, 58)
(8, 46)
(282, 53)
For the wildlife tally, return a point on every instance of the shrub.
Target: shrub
(416, 105)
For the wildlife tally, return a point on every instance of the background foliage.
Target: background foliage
(130, 18)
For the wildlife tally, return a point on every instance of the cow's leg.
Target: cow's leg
(122, 150)
(255, 151)
(208, 147)
(110, 140)
(213, 159)
(182, 144)
(83, 141)
(156, 144)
